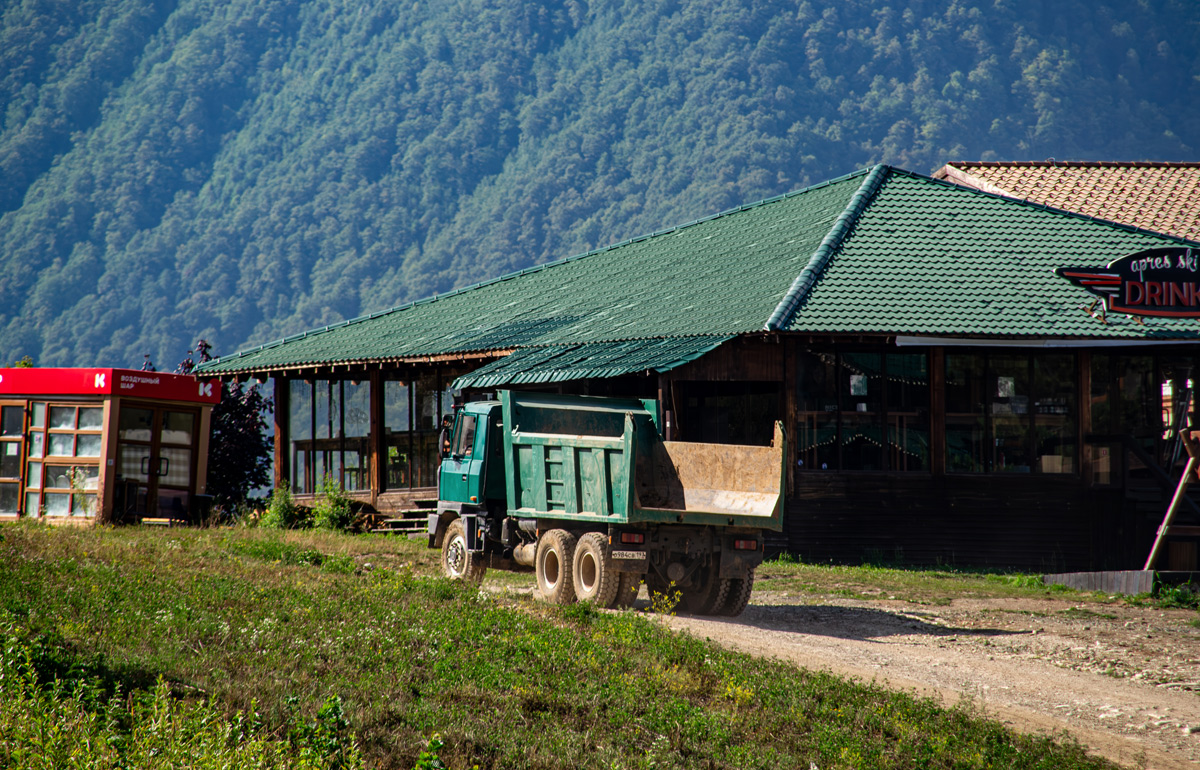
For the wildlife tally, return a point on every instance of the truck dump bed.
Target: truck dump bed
(574, 457)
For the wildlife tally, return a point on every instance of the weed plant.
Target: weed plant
(250, 625)
(282, 511)
(332, 510)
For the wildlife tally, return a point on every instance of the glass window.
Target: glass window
(58, 504)
(300, 433)
(34, 478)
(91, 418)
(134, 462)
(174, 466)
(863, 410)
(907, 410)
(1010, 393)
(33, 503)
(177, 427)
(36, 443)
(12, 420)
(87, 445)
(356, 424)
(965, 413)
(62, 417)
(464, 436)
(10, 459)
(136, 424)
(62, 444)
(396, 425)
(10, 496)
(860, 381)
(1055, 411)
(39, 416)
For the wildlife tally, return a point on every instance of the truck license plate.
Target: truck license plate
(629, 554)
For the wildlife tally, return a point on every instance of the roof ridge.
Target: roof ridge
(535, 268)
(816, 263)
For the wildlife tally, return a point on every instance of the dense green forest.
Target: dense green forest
(241, 170)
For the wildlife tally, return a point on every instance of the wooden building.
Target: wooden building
(949, 397)
(109, 445)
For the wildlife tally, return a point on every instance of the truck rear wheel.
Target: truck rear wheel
(738, 597)
(627, 590)
(555, 555)
(457, 562)
(707, 593)
(592, 571)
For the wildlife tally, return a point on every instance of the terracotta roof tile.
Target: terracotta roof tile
(1149, 195)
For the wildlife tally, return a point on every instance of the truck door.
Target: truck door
(461, 472)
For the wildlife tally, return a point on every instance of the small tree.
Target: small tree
(239, 447)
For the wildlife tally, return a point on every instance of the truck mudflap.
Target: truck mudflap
(742, 485)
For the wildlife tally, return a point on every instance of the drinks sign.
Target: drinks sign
(1161, 282)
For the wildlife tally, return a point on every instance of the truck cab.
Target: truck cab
(472, 473)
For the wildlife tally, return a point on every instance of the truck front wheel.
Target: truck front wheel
(555, 555)
(592, 571)
(457, 562)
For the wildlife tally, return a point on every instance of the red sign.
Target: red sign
(105, 382)
(1163, 282)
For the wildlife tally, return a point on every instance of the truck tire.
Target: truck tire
(555, 555)
(457, 562)
(738, 596)
(592, 571)
(627, 590)
(707, 594)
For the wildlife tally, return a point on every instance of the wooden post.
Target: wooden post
(281, 431)
(1193, 450)
(377, 437)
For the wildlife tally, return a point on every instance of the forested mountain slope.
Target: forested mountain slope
(241, 170)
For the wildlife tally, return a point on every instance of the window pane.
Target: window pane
(908, 411)
(58, 476)
(173, 503)
(12, 420)
(87, 477)
(175, 466)
(39, 416)
(817, 411)
(1054, 413)
(177, 427)
(62, 445)
(33, 503)
(135, 424)
(10, 496)
(58, 504)
(87, 445)
(91, 418)
(357, 422)
(965, 403)
(36, 443)
(10, 459)
(62, 417)
(396, 425)
(83, 505)
(33, 479)
(860, 381)
(134, 463)
(464, 437)
(1009, 381)
(427, 398)
(300, 416)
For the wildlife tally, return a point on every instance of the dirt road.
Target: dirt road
(1122, 680)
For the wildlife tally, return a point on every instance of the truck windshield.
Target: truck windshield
(464, 436)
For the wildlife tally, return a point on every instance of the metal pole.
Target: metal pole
(1180, 491)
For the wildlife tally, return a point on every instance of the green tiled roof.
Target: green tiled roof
(879, 251)
(592, 360)
(929, 258)
(723, 275)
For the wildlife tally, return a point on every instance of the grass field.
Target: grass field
(253, 648)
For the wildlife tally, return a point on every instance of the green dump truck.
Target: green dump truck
(585, 491)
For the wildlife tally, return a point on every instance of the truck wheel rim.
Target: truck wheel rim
(456, 556)
(551, 569)
(587, 573)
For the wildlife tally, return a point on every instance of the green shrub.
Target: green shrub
(333, 509)
(282, 511)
